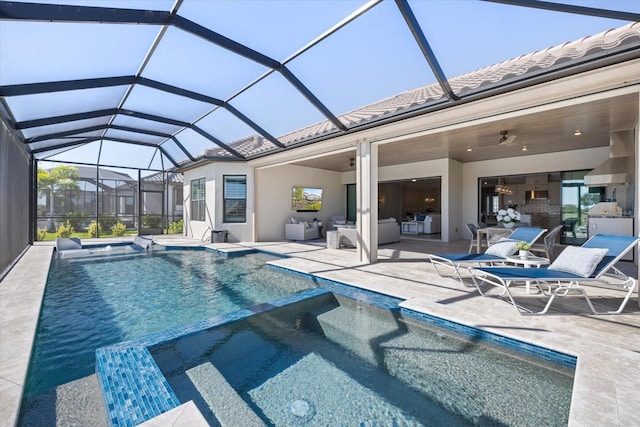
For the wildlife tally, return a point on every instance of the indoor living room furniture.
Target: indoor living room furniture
(388, 232)
(412, 227)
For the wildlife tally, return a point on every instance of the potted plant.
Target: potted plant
(523, 248)
(508, 217)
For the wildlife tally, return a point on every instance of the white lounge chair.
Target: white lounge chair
(448, 265)
(592, 262)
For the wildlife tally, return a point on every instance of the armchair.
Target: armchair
(301, 231)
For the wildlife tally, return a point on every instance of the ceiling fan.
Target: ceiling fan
(505, 138)
(352, 162)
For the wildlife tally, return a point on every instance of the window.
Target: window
(198, 196)
(235, 198)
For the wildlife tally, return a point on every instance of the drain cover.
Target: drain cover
(302, 410)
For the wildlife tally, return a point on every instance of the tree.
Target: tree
(50, 181)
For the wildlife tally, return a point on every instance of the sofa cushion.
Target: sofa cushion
(420, 217)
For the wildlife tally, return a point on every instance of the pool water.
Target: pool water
(334, 360)
(92, 303)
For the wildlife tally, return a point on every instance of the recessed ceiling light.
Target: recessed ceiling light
(469, 148)
(413, 180)
(577, 132)
(524, 148)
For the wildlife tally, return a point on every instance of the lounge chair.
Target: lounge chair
(589, 263)
(496, 253)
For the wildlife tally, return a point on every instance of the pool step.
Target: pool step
(356, 330)
(226, 404)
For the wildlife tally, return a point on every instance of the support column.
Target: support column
(367, 206)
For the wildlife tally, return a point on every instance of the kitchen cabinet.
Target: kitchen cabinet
(519, 194)
(536, 183)
(553, 189)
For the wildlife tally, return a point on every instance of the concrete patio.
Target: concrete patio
(607, 347)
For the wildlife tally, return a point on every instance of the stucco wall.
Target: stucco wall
(14, 198)
(273, 197)
(213, 174)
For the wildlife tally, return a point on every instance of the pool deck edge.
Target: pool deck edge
(21, 294)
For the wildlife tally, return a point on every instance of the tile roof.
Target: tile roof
(172, 177)
(514, 69)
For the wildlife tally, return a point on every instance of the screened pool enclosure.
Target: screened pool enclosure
(123, 90)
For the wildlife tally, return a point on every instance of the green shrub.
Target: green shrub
(176, 227)
(65, 230)
(75, 219)
(95, 229)
(42, 233)
(107, 220)
(151, 221)
(118, 229)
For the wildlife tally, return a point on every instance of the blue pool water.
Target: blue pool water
(335, 360)
(92, 303)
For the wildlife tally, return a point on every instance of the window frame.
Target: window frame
(198, 206)
(226, 217)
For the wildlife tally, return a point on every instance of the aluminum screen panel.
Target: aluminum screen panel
(242, 79)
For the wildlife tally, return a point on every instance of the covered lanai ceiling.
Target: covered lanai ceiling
(160, 84)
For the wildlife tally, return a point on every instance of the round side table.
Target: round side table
(530, 261)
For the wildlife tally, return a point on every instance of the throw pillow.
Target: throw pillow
(420, 217)
(502, 248)
(294, 221)
(579, 261)
(305, 223)
(340, 222)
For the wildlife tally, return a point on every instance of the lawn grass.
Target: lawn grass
(85, 235)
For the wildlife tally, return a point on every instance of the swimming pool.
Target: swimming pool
(95, 302)
(335, 360)
(144, 316)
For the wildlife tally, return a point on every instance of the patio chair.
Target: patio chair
(589, 263)
(548, 247)
(474, 236)
(496, 253)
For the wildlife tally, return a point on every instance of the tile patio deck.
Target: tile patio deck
(608, 347)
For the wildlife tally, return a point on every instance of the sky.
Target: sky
(372, 58)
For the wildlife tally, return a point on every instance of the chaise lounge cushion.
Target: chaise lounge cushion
(502, 248)
(579, 261)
